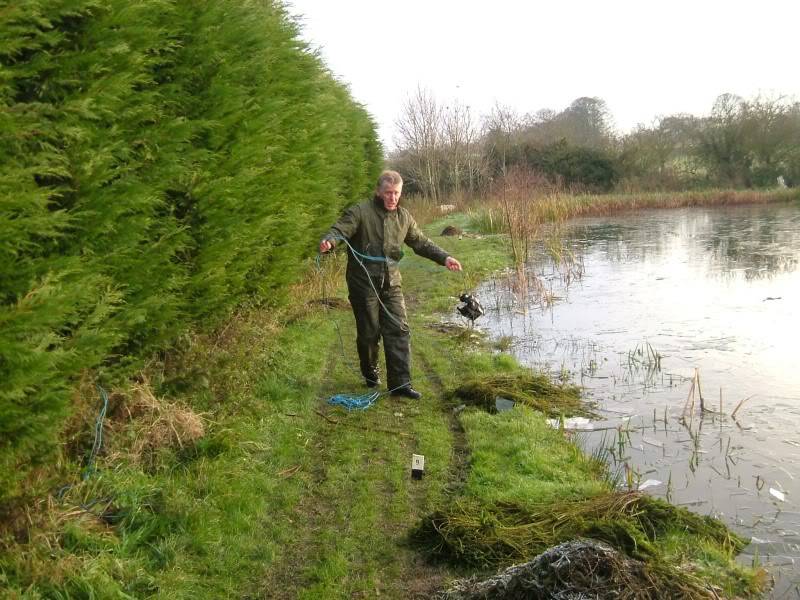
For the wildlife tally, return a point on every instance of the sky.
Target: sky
(645, 58)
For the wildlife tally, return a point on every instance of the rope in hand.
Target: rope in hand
(360, 258)
(363, 401)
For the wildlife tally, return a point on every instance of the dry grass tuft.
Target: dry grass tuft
(153, 424)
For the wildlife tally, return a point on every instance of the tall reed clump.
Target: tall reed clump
(162, 162)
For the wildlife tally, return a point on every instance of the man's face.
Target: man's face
(390, 194)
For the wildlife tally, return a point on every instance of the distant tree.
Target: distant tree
(660, 156)
(500, 127)
(772, 129)
(460, 144)
(722, 142)
(420, 141)
(585, 122)
(574, 166)
(750, 143)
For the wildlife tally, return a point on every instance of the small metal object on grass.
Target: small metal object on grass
(417, 466)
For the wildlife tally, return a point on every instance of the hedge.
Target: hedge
(162, 162)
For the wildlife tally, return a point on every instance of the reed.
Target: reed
(551, 205)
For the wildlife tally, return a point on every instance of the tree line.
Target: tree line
(742, 143)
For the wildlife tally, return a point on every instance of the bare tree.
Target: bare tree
(420, 139)
(500, 125)
(460, 143)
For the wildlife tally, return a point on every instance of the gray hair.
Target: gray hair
(390, 177)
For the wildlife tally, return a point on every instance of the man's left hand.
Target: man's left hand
(452, 264)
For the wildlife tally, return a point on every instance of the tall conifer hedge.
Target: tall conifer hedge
(161, 161)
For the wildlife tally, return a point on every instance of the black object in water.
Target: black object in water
(471, 308)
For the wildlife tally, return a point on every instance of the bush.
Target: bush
(575, 166)
(161, 163)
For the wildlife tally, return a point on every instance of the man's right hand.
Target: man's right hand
(325, 246)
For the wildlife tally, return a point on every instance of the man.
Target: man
(376, 230)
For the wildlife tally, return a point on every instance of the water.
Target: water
(666, 295)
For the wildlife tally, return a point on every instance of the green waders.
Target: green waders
(380, 234)
(372, 323)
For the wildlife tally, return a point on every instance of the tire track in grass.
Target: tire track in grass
(286, 577)
(424, 578)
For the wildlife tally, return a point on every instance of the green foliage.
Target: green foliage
(576, 166)
(161, 163)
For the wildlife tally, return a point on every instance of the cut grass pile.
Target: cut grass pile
(534, 390)
(529, 488)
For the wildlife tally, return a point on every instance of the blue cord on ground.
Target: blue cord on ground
(353, 401)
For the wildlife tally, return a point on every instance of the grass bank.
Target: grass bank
(276, 494)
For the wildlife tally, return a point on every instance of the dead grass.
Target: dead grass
(151, 424)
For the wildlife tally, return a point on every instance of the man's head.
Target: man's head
(390, 187)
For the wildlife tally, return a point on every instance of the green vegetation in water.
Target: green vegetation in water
(535, 390)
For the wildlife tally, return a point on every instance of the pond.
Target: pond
(673, 305)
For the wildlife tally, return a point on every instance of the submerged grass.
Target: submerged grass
(535, 390)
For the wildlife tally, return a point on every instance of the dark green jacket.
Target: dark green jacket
(375, 231)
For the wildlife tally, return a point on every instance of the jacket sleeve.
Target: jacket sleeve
(422, 244)
(345, 227)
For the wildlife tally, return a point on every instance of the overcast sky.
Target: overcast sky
(644, 58)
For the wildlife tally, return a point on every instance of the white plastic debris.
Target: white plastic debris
(572, 423)
(777, 494)
(649, 483)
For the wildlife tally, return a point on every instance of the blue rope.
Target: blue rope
(353, 401)
(89, 469)
(98, 435)
(366, 256)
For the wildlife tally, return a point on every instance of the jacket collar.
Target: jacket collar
(378, 201)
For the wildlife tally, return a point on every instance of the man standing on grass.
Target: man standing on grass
(376, 231)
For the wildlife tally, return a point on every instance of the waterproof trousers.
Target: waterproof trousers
(372, 323)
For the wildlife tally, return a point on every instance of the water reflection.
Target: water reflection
(743, 239)
(666, 295)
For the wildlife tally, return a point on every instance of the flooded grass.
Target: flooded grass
(534, 390)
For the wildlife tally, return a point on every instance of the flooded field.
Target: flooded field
(672, 307)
